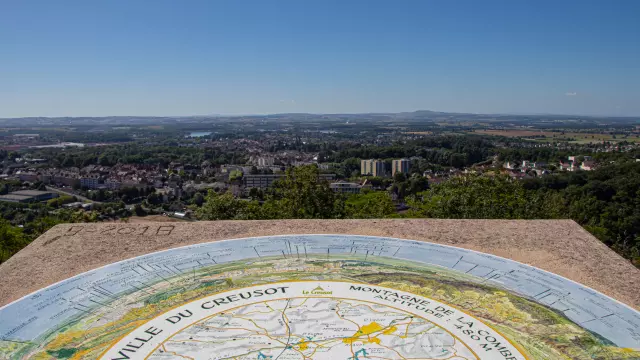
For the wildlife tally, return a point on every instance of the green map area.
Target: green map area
(539, 331)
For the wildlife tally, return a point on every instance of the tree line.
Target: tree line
(606, 202)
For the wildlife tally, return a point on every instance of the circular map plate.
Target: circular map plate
(318, 297)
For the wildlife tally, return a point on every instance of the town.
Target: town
(185, 180)
(246, 167)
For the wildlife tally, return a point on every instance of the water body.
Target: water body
(199, 134)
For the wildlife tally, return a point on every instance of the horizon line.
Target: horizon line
(322, 113)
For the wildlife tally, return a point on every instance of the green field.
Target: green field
(551, 136)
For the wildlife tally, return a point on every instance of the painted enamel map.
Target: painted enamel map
(318, 297)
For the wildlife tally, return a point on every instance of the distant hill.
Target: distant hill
(417, 115)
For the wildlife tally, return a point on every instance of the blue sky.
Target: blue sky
(132, 57)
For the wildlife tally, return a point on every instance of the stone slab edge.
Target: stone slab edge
(558, 246)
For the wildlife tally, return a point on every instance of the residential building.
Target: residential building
(67, 179)
(345, 187)
(265, 181)
(573, 166)
(46, 178)
(113, 184)
(139, 183)
(266, 161)
(436, 180)
(90, 181)
(575, 158)
(372, 167)
(28, 176)
(519, 175)
(587, 165)
(225, 169)
(400, 165)
(260, 181)
(564, 166)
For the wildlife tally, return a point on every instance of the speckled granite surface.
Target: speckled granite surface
(559, 246)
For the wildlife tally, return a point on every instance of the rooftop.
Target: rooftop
(30, 192)
(14, 197)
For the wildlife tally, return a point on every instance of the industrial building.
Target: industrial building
(28, 196)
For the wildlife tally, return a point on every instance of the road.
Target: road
(79, 197)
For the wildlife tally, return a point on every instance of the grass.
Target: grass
(548, 136)
(420, 132)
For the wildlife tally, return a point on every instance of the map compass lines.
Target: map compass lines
(286, 323)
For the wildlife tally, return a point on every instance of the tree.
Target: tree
(349, 167)
(220, 207)
(235, 175)
(12, 239)
(417, 184)
(369, 206)
(61, 200)
(458, 160)
(302, 195)
(67, 162)
(481, 197)
(139, 210)
(154, 199)
(198, 199)
(253, 193)
(399, 177)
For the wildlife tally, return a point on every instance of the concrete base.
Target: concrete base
(558, 246)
